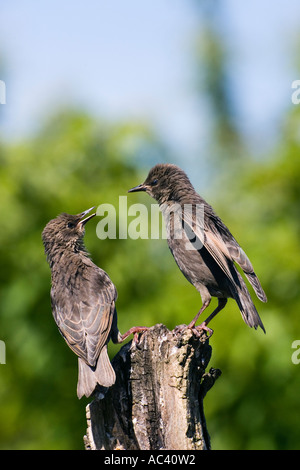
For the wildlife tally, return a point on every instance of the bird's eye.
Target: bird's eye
(71, 225)
(154, 182)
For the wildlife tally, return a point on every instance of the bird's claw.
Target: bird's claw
(203, 327)
(135, 330)
(195, 329)
(179, 328)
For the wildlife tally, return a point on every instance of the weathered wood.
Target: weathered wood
(157, 400)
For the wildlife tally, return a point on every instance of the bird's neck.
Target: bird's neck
(56, 253)
(181, 195)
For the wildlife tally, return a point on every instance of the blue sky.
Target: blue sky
(133, 59)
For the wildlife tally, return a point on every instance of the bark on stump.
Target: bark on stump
(157, 400)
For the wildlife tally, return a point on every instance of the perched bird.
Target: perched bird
(83, 301)
(203, 247)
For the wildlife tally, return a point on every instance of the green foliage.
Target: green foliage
(71, 165)
(255, 403)
(74, 163)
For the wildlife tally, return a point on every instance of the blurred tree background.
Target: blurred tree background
(76, 161)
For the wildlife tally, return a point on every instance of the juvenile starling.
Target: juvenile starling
(202, 246)
(83, 301)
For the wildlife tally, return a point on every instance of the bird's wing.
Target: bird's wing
(220, 243)
(85, 316)
(238, 255)
(200, 235)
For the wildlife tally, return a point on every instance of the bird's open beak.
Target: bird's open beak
(140, 187)
(83, 214)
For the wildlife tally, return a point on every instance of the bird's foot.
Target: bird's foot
(135, 330)
(195, 329)
(179, 328)
(202, 327)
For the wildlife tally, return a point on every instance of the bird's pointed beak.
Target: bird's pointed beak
(140, 187)
(83, 214)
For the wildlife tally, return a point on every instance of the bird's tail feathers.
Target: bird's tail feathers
(88, 377)
(247, 307)
(254, 281)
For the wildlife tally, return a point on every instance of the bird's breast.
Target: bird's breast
(198, 267)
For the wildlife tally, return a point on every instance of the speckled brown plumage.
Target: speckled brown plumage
(202, 246)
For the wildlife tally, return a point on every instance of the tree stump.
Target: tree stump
(157, 400)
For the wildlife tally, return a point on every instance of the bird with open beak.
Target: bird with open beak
(202, 246)
(83, 301)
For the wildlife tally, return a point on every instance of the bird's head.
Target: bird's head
(66, 230)
(165, 182)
